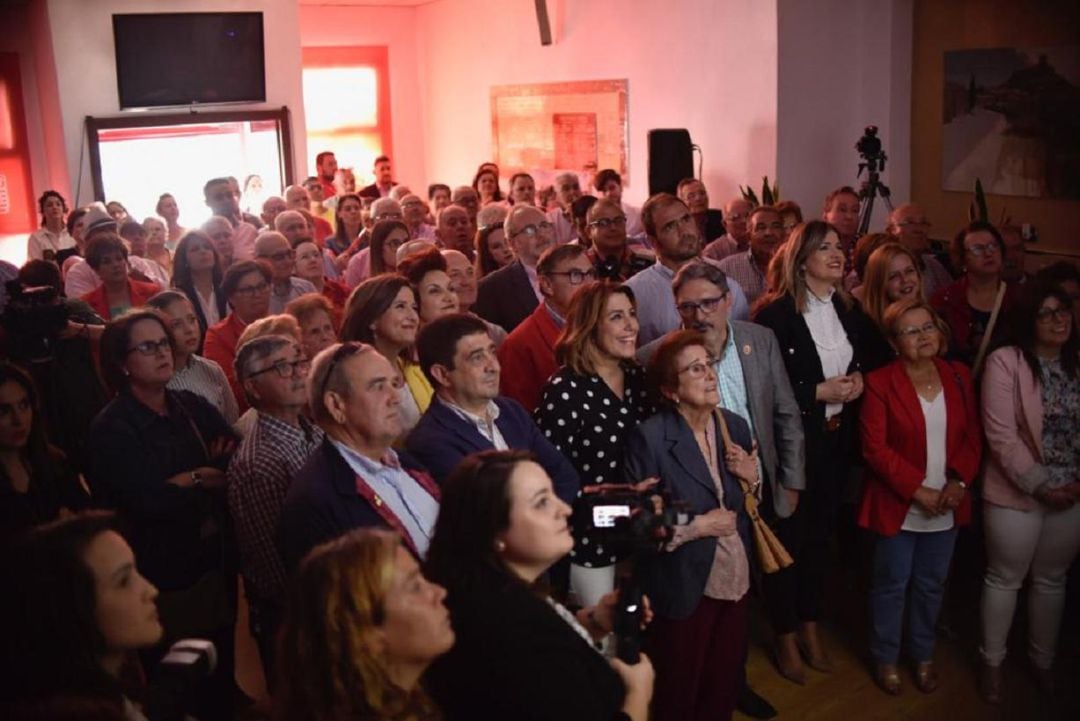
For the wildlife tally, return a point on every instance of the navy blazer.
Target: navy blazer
(505, 296)
(664, 446)
(188, 289)
(323, 503)
(441, 439)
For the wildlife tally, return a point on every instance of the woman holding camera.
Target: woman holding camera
(70, 632)
(519, 654)
(699, 581)
(362, 626)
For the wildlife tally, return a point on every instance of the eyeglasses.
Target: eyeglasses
(281, 255)
(762, 227)
(707, 306)
(575, 276)
(388, 216)
(913, 222)
(151, 347)
(981, 249)
(285, 369)
(605, 223)
(698, 369)
(1049, 315)
(252, 290)
(914, 331)
(532, 230)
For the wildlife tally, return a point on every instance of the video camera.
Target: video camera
(634, 522)
(870, 150)
(178, 675)
(33, 318)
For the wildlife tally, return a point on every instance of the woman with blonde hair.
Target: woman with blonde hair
(362, 626)
(820, 331)
(589, 406)
(892, 274)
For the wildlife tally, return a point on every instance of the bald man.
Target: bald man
(567, 190)
(274, 248)
(454, 230)
(297, 198)
(415, 212)
(909, 226)
(737, 237)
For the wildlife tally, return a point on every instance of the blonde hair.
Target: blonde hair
(789, 275)
(877, 273)
(896, 311)
(270, 325)
(577, 348)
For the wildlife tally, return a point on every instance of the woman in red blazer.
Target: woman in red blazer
(107, 255)
(921, 441)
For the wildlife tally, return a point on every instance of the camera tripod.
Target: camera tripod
(870, 189)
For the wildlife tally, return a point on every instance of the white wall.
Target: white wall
(707, 66)
(82, 41)
(395, 28)
(843, 65)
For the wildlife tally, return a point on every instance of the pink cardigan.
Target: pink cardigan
(1012, 420)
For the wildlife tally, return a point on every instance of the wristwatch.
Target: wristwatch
(196, 478)
(962, 484)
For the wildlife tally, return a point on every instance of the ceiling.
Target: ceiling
(369, 3)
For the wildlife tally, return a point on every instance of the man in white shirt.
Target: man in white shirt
(223, 200)
(567, 190)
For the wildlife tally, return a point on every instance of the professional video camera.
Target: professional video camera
(870, 150)
(873, 161)
(634, 522)
(183, 669)
(33, 318)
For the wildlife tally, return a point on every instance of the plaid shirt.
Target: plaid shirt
(744, 270)
(259, 477)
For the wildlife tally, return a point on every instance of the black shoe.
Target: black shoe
(752, 705)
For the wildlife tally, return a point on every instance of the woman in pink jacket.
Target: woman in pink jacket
(1031, 410)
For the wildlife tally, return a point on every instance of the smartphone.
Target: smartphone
(604, 516)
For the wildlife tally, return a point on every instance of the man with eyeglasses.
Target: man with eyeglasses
(567, 190)
(675, 237)
(272, 370)
(753, 384)
(508, 295)
(223, 200)
(748, 268)
(909, 226)
(298, 199)
(274, 248)
(737, 235)
(710, 221)
(608, 184)
(529, 351)
(414, 211)
(610, 252)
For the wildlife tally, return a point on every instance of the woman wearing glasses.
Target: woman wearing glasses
(922, 443)
(973, 305)
(1031, 410)
(820, 330)
(158, 457)
(246, 287)
(107, 255)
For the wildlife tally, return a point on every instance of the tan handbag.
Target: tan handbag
(770, 552)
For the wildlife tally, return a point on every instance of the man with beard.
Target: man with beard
(326, 166)
(606, 225)
(749, 267)
(508, 295)
(674, 234)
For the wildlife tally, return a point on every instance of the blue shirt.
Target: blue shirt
(731, 382)
(656, 302)
(410, 502)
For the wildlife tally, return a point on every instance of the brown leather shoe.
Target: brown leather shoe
(887, 676)
(990, 684)
(788, 662)
(926, 678)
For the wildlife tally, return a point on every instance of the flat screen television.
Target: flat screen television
(174, 59)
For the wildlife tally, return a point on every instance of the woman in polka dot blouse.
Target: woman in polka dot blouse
(587, 410)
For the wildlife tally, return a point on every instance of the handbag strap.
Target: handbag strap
(985, 342)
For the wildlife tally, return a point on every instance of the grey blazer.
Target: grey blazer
(775, 414)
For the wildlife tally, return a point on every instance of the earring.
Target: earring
(500, 546)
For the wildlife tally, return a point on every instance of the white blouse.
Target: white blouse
(936, 420)
(833, 347)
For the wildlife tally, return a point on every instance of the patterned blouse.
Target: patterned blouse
(588, 423)
(1061, 418)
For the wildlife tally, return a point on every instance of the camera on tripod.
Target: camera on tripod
(631, 522)
(870, 150)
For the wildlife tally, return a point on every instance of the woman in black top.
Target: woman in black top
(519, 654)
(158, 457)
(36, 483)
(197, 272)
(588, 408)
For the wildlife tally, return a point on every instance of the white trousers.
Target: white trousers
(1041, 543)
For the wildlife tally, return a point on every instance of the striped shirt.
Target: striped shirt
(205, 378)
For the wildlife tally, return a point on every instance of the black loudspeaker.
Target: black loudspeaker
(671, 158)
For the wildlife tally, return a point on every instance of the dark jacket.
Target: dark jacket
(664, 446)
(505, 297)
(515, 658)
(188, 289)
(442, 438)
(326, 499)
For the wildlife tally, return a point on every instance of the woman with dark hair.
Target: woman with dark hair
(522, 189)
(1031, 411)
(427, 271)
(973, 306)
(922, 442)
(519, 654)
(587, 409)
(348, 225)
(197, 272)
(891, 275)
(166, 208)
(698, 583)
(246, 286)
(486, 185)
(36, 482)
(362, 626)
(821, 332)
(492, 250)
(383, 312)
(158, 457)
(107, 255)
(381, 255)
(52, 241)
(71, 630)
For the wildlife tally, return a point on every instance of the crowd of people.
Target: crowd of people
(388, 417)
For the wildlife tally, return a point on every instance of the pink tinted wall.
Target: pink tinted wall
(708, 66)
(395, 28)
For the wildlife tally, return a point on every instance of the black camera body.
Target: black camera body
(870, 150)
(33, 319)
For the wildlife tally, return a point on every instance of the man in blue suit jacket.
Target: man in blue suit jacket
(467, 415)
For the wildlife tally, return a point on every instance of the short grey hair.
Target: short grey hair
(258, 349)
(319, 384)
(699, 270)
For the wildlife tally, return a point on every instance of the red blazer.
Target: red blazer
(220, 347)
(894, 442)
(527, 357)
(139, 292)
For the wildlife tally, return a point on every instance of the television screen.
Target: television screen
(187, 58)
